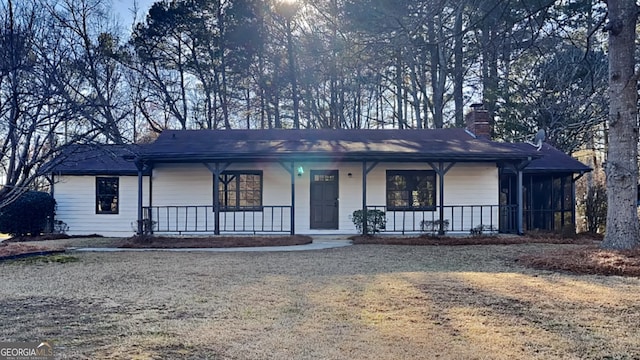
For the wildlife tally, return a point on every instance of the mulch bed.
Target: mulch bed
(152, 242)
(474, 240)
(46, 237)
(589, 260)
(14, 251)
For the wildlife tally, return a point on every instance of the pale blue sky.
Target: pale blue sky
(122, 9)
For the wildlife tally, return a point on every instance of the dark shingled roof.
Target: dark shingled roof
(96, 160)
(552, 160)
(333, 145)
(325, 144)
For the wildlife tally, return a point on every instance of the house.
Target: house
(312, 182)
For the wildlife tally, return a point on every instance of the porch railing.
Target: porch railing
(201, 219)
(277, 219)
(457, 218)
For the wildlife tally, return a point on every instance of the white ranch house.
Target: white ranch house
(311, 182)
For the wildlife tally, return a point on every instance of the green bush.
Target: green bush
(28, 215)
(376, 221)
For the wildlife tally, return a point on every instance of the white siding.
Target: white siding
(192, 185)
(76, 206)
(464, 184)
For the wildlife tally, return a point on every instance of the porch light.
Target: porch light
(300, 170)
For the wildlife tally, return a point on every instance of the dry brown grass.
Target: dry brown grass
(359, 302)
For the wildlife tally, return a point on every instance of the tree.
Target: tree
(47, 98)
(96, 80)
(195, 56)
(621, 169)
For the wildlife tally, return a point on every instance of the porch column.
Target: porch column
(216, 199)
(140, 166)
(292, 172)
(441, 170)
(216, 170)
(365, 171)
(150, 213)
(293, 198)
(520, 214)
(364, 198)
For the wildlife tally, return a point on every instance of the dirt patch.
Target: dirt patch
(589, 260)
(153, 242)
(474, 240)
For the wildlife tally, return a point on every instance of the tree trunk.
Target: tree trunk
(622, 155)
(458, 75)
(292, 76)
(399, 84)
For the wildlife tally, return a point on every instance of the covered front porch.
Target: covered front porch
(316, 181)
(321, 198)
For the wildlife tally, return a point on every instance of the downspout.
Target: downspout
(52, 185)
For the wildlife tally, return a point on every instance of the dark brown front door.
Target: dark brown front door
(324, 199)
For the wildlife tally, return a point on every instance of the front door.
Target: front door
(324, 199)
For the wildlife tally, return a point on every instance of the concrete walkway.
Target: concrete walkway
(319, 243)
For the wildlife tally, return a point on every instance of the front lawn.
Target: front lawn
(358, 302)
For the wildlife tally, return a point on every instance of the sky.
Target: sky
(122, 9)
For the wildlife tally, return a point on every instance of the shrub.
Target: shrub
(376, 221)
(432, 227)
(28, 215)
(595, 208)
(147, 226)
(482, 230)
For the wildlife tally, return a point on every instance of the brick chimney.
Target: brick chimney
(478, 121)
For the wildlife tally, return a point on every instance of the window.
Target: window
(240, 191)
(411, 190)
(107, 195)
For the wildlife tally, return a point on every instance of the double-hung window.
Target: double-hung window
(240, 191)
(107, 195)
(411, 190)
